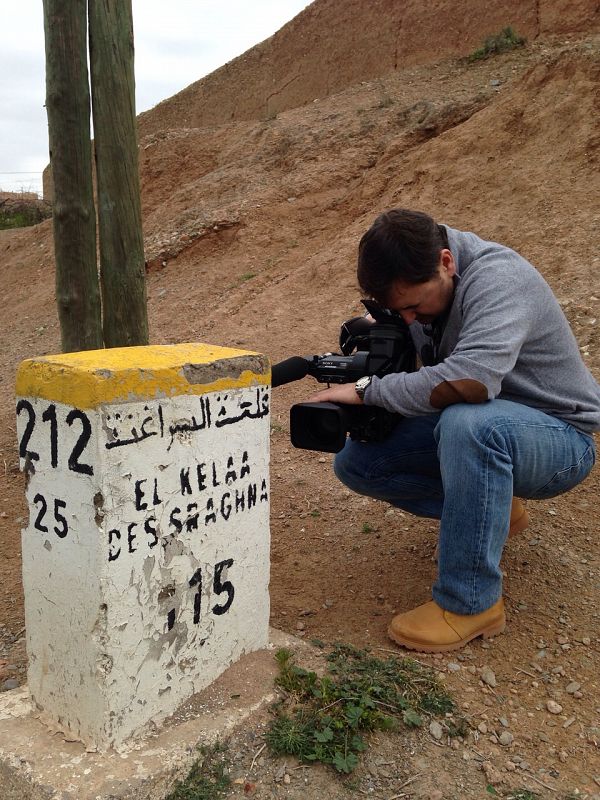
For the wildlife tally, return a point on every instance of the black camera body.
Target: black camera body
(379, 345)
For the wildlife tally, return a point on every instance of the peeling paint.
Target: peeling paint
(99, 505)
(225, 367)
(157, 521)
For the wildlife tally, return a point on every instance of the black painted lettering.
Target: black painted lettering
(245, 470)
(196, 580)
(174, 520)
(28, 455)
(139, 494)
(155, 498)
(231, 474)
(191, 523)
(240, 500)
(223, 586)
(210, 512)
(43, 508)
(49, 415)
(201, 474)
(131, 537)
(226, 506)
(184, 480)
(149, 528)
(113, 554)
(264, 495)
(63, 526)
(251, 495)
(81, 444)
(215, 482)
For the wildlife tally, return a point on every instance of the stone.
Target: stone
(506, 738)
(493, 775)
(573, 687)
(488, 676)
(436, 730)
(553, 707)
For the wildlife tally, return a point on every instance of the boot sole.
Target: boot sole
(487, 633)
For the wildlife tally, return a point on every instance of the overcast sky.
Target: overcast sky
(176, 43)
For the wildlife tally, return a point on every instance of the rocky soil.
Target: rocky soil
(251, 230)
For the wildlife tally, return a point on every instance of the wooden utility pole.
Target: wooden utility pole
(68, 107)
(122, 269)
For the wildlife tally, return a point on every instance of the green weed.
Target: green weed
(247, 276)
(207, 779)
(20, 219)
(501, 42)
(366, 528)
(325, 718)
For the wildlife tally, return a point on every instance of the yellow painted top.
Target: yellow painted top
(93, 377)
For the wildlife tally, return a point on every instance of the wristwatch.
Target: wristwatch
(361, 386)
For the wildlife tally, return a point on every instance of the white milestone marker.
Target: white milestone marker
(146, 556)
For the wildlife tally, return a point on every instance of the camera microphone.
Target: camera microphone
(292, 369)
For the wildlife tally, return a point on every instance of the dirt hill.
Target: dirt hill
(332, 45)
(251, 228)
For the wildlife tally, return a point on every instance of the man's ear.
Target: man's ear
(447, 262)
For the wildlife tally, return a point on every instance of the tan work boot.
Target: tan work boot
(431, 629)
(519, 517)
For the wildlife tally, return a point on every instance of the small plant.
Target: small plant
(315, 513)
(207, 779)
(501, 42)
(385, 102)
(367, 528)
(247, 276)
(324, 718)
(21, 216)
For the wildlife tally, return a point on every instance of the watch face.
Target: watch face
(361, 386)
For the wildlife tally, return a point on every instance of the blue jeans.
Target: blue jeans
(463, 466)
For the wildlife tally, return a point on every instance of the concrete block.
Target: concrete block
(146, 555)
(41, 763)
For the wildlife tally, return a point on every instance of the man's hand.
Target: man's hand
(342, 393)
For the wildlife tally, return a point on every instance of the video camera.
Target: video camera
(378, 345)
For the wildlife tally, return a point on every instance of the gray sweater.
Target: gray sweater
(506, 332)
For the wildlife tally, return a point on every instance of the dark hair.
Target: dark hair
(400, 245)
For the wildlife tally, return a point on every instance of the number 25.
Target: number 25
(62, 528)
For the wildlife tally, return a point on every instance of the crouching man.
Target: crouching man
(502, 409)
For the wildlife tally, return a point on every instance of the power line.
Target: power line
(30, 172)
